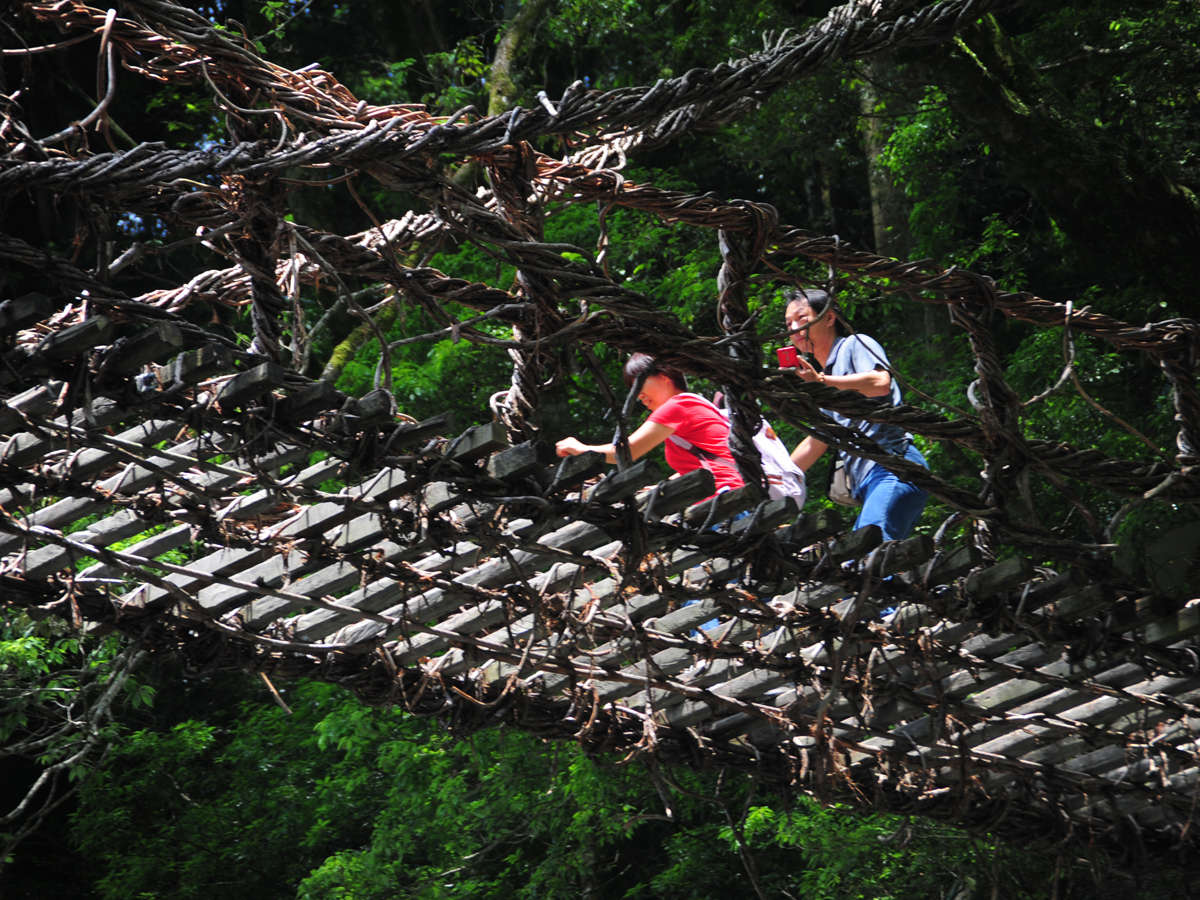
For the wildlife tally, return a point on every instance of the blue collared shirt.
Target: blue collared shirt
(851, 355)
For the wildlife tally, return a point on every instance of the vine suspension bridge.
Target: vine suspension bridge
(1025, 683)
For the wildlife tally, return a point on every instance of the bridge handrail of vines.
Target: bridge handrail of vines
(294, 130)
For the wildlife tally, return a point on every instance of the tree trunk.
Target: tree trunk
(350, 344)
(502, 90)
(889, 206)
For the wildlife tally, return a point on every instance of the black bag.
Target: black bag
(839, 481)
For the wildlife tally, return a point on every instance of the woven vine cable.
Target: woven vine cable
(564, 304)
(738, 255)
(174, 40)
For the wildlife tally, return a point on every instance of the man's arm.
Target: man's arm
(872, 383)
(647, 436)
(808, 451)
(876, 383)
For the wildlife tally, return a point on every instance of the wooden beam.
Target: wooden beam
(22, 311)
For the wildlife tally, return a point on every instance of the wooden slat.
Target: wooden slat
(36, 401)
(688, 618)
(377, 595)
(955, 683)
(193, 366)
(226, 561)
(129, 480)
(223, 561)
(578, 537)
(1004, 576)
(124, 523)
(477, 442)
(666, 498)
(23, 311)
(519, 461)
(27, 446)
(150, 344)
(249, 385)
(637, 608)
(574, 470)
(308, 401)
(409, 434)
(254, 503)
(1010, 694)
(621, 485)
(434, 604)
(276, 570)
(75, 339)
(45, 561)
(150, 547)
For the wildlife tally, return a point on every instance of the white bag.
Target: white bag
(784, 477)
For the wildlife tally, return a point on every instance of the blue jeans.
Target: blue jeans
(890, 503)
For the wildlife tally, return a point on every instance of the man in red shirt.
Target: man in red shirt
(673, 412)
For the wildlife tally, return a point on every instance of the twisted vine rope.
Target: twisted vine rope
(565, 302)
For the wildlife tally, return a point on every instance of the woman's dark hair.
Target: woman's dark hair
(818, 301)
(644, 363)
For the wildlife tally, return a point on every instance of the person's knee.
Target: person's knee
(874, 508)
(906, 508)
(893, 505)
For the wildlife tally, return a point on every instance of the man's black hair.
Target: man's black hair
(645, 363)
(818, 301)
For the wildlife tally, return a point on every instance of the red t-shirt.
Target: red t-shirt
(697, 422)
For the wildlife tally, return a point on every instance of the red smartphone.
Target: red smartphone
(787, 357)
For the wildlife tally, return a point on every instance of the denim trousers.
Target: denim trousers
(890, 503)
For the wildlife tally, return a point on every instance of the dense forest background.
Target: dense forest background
(1053, 148)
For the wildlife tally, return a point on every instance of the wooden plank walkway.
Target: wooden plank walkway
(493, 575)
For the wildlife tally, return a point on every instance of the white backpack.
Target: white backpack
(784, 477)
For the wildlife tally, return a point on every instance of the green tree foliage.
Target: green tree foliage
(1029, 150)
(185, 809)
(342, 800)
(64, 700)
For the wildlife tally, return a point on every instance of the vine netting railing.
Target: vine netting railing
(211, 500)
